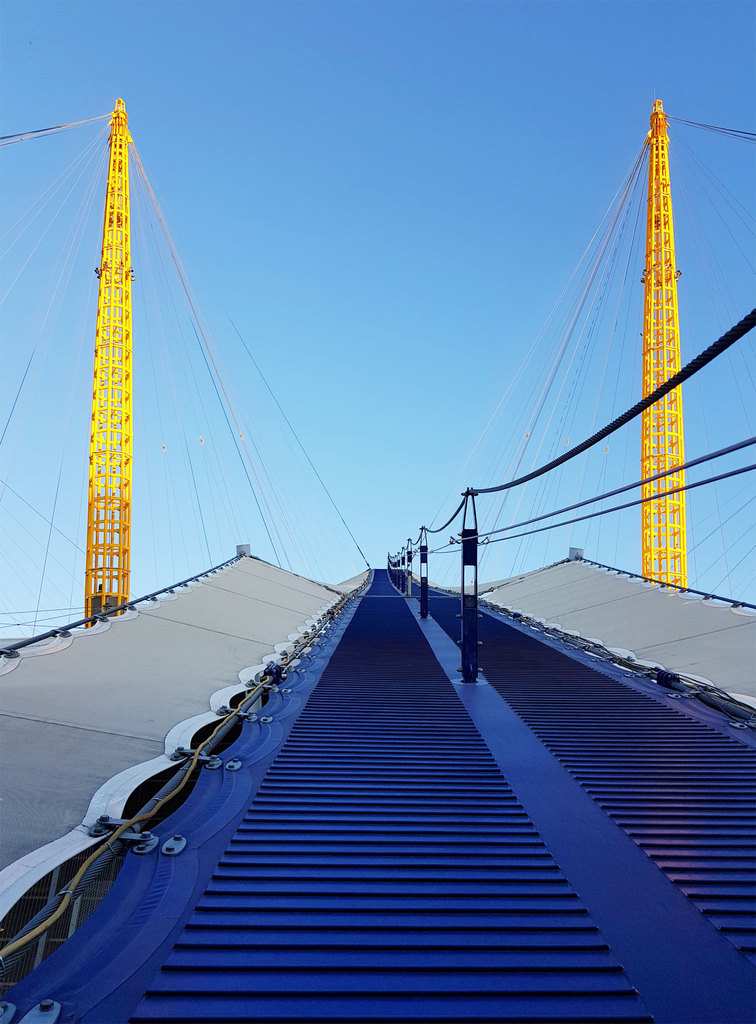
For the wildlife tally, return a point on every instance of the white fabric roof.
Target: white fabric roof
(76, 712)
(680, 631)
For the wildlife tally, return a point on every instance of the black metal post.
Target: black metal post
(410, 556)
(469, 593)
(424, 576)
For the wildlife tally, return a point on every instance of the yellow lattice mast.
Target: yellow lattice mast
(663, 519)
(110, 449)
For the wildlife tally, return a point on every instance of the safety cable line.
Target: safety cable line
(736, 133)
(37, 133)
(616, 508)
(296, 438)
(703, 359)
(629, 487)
(451, 519)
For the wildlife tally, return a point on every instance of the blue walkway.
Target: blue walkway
(409, 848)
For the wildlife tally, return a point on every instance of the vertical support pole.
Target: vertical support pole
(424, 575)
(469, 591)
(410, 556)
(403, 571)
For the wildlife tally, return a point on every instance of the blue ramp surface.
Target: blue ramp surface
(406, 848)
(682, 789)
(386, 871)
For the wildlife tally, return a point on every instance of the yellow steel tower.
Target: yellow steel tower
(663, 522)
(110, 459)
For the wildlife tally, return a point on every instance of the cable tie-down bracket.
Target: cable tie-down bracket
(180, 753)
(106, 825)
(208, 760)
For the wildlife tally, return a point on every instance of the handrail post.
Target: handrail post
(410, 556)
(424, 576)
(469, 593)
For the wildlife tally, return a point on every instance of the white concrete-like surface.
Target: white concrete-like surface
(77, 712)
(679, 631)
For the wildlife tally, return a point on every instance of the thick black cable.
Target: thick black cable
(296, 438)
(721, 345)
(618, 508)
(629, 487)
(451, 519)
(736, 133)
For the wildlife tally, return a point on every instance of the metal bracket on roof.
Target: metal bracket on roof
(105, 824)
(10, 653)
(233, 765)
(47, 1011)
(146, 842)
(221, 712)
(6, 1012)
(212, 763)
(180, 753)
(174, 846)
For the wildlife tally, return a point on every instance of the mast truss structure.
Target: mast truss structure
(664, 545)
(110, 450)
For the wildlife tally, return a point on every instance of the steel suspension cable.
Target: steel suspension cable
(296, 438)
(8, 140)
(206, 352)
(735, 133)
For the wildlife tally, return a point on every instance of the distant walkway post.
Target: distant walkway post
(469, 591)
(423, 574)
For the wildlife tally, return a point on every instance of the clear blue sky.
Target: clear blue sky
(387, 198)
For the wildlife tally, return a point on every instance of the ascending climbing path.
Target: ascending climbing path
(388, 844)
(385, 870)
